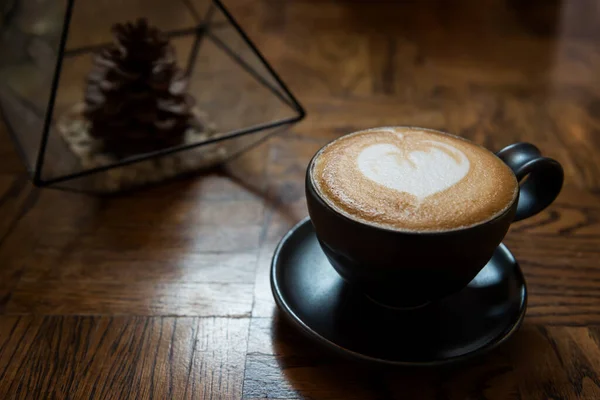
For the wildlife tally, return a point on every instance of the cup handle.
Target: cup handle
(543, 177)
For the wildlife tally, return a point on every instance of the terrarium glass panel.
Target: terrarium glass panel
(134, 92)
(30, 38)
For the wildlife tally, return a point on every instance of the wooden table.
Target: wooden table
(164, 293)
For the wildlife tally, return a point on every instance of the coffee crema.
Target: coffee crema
(412, 179)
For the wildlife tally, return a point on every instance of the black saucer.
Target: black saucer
(314, 297)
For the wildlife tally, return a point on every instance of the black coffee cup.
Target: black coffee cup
(403, 269)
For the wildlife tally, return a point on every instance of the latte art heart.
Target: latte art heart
(412, 179)
(433, 168)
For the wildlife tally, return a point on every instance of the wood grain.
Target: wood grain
(540, 362)
(121, 357)
(101, 298)
(164, 293)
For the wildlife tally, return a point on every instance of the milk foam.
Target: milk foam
(420, 172)
(412, 179)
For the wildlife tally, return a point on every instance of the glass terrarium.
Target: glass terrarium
(110, 95)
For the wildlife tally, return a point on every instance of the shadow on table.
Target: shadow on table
(536, 17)
(468, 67)
(314, 372)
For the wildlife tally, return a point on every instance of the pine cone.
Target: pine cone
(136, 97)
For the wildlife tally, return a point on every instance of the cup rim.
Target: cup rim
(498, 216)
